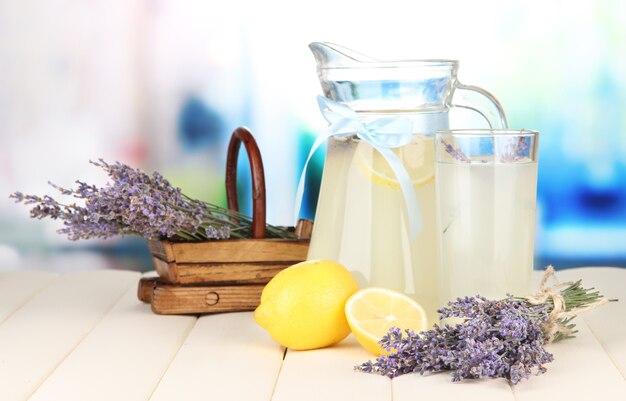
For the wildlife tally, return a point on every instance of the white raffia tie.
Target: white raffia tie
(554, 324)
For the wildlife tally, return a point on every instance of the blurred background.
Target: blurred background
(161, 84)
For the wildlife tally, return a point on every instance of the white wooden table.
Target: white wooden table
(84, 337)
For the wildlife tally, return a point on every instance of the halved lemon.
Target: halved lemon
(371, 312)
(418, 158)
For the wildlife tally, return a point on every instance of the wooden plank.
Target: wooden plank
(174, 299)
(304, 229)
(168, 271)
(37, 337)
(225, 357)
(145, 288)
(581, 370)
(122, 359)
(244, 273)
(162, 250)
(17, 287)
(246, 250)
(215, 273)
(439, 386)
(328, 374)
(608, 323)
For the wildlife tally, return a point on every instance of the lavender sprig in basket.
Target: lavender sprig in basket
(135, 203)
(503, 338)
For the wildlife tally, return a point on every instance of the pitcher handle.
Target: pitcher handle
(482, 102)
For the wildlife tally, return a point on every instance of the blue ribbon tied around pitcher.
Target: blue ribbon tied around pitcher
(383, 134)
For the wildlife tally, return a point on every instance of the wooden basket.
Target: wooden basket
(223, 275)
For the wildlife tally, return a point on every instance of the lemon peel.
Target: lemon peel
(302, 307)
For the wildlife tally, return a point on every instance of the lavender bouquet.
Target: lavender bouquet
(503, 338)
(136, 203)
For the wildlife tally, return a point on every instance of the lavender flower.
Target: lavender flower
(502, 338)
(136, 203)
(515, 149)
(454, 152)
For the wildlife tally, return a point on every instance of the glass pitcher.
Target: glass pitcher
(361, 218)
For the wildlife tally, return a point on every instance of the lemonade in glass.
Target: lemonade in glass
(486, 191)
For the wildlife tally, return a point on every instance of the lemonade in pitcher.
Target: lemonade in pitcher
(362, 219)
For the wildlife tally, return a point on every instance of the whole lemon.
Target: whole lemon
(302, 307)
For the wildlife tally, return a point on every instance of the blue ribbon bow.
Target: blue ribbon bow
(382, 134)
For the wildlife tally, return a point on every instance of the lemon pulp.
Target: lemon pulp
(417, 157)
(371, 312)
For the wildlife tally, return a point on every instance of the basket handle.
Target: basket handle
(242, 134)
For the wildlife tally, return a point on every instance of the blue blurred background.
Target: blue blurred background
(161, 84)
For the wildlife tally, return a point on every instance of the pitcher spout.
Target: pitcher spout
(330, 55)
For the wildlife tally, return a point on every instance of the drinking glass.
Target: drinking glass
(486, 185)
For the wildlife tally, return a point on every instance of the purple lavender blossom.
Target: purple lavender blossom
(135, 203)
(515, 150)
(454, 152)
(497, 339)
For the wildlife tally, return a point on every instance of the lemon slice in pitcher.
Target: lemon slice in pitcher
(418, 157)
(371, 312)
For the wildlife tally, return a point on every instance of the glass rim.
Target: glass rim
(486, 132)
